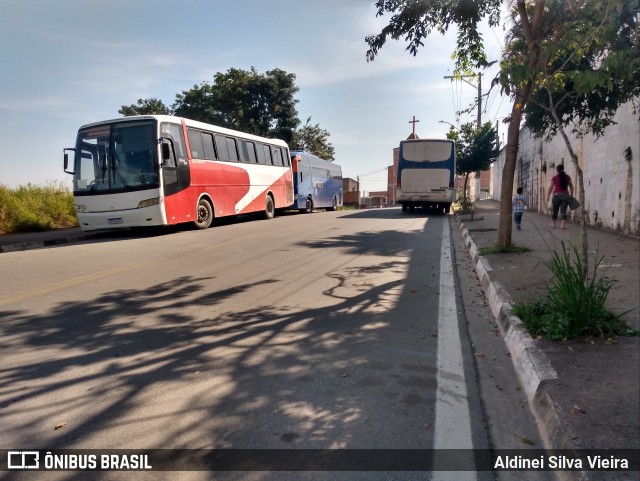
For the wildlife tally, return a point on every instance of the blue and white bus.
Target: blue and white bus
(317, 183)
(426, 174)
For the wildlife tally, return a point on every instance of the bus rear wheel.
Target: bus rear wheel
(204, 215)
(308, 208)
(269, 210)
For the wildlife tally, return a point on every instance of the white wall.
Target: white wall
(612, 184)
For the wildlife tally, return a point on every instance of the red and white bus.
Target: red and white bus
(155, 170)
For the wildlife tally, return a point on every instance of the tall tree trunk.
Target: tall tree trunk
(583, 218)
(464, 191)
(626, 229)
(531, 27)
(509, 169)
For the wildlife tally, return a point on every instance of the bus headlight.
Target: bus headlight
(81, 208)
(149, 202)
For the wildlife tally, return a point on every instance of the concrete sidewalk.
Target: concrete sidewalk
(585, 394)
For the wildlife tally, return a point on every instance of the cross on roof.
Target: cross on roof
(414, 124)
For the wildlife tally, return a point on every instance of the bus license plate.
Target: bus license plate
(116, 220)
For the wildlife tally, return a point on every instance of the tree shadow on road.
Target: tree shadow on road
(170, 366)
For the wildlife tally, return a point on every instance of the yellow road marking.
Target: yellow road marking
(74, 281)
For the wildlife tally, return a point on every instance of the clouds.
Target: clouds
(74, 62)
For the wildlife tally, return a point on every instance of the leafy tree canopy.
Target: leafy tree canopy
(584, 50)
(588, 65)
(414, 20)
(476, 148)
(145, 107)
(260, 104)
(591, 58)
(313, 139)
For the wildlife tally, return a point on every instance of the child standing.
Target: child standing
(519, 203)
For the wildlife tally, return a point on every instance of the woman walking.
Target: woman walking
(562, 189)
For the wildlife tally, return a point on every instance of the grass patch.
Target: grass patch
(513, 249)
(574, 306)
(31, 208)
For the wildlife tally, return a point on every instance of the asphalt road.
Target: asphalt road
(330, 330)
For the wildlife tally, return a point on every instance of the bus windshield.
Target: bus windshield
(116, 157)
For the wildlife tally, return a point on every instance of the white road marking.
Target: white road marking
(453, 422)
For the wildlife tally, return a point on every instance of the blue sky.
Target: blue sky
(66, 63)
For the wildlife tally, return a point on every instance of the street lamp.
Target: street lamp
(445, 122)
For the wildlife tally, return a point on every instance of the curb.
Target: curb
(24, 246)
(532, 366)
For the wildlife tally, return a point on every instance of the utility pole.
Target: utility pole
(479, 120)
(479, 87)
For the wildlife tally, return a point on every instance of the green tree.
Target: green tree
(145, 107)
(590, 61)
(261, 104)
(414, 20)
(476, 149)
(542, 31)
(197, 103)
(313, 139)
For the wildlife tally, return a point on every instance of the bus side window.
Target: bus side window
(195, 143)
(260, 154)
(249, 151)
(221, 147)
(233, 149)
(277, 156)
(264, 154)
(174, 131)
(226, 147)
(207, 144)
(169, 166)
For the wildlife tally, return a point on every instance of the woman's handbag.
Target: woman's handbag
(573, 203)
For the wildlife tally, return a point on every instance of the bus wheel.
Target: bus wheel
(447, 208)
(269, 210)
(309, 207)
(405, 207)
(334, 206)
(204, 215)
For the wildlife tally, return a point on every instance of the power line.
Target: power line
(478, 87)
(374, 172)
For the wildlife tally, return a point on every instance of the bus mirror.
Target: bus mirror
(66, 161)
(166, 152)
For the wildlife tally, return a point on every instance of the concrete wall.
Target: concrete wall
(612, 184)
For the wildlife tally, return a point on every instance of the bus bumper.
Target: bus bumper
(148, 216)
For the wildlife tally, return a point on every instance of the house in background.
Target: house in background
(351, 192)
